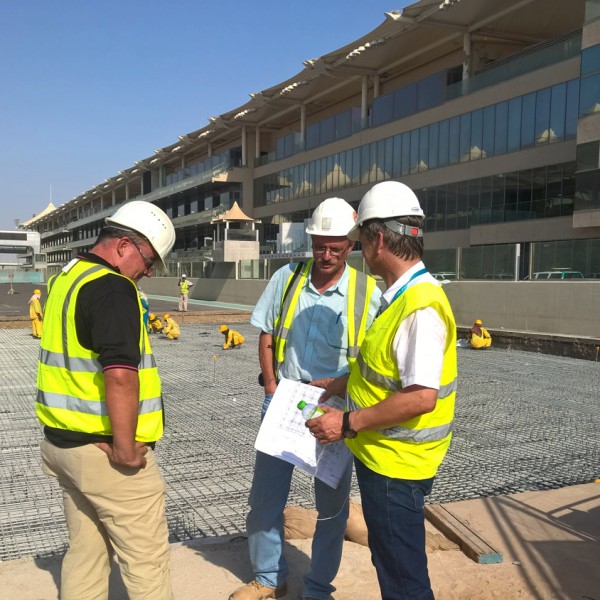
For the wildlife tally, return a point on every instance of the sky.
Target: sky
(88, 88)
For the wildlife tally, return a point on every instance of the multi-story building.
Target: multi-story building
(489, 109)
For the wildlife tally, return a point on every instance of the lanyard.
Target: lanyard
(403, 288)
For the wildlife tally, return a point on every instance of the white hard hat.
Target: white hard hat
(148, 220)
(333, 217)
(183, 276)
(386, 200)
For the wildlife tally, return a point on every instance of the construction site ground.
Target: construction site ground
(520, 472)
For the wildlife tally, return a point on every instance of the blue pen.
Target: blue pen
(338, 319)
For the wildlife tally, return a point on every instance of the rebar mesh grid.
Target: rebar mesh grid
(524, 421)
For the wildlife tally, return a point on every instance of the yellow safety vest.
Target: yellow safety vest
(413, 449)
(358, 299)
(184, 286)
(71, 393)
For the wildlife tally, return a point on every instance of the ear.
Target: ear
(379, 243)
(121, 246)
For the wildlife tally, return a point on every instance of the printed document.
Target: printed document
(284, 435)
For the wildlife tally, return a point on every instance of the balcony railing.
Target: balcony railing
(531, 59)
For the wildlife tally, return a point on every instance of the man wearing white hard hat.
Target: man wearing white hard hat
(99, 400)
(312, 318)
(400, 391)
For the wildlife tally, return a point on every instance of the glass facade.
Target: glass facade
(497, 261)
(517, 196)
(543, 117)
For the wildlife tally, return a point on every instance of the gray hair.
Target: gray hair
(403, 246)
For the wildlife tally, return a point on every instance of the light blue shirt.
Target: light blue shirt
(317, 342)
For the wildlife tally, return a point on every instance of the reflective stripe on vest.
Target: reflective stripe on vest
(394, 384)
(358, 297)
(91, 407)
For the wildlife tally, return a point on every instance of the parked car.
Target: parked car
(444, 277)
(557, 275)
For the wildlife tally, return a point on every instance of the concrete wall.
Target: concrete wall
(554, 307)
(551, 307)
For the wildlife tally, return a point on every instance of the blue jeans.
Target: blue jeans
(395, 518)
(264, 525)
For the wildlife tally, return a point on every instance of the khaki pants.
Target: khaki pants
(183, 302)
(111, 508)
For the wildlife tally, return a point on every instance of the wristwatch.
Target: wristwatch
(347, 431)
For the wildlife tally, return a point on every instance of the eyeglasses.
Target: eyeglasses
(334, 252)
(148, 262)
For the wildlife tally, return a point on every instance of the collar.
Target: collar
(339, 287)
(389, 294)
(94, 258)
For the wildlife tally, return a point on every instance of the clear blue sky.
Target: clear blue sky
(88, 88)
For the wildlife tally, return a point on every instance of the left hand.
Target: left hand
(328, 427)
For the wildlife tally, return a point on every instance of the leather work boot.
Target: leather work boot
(257, 591)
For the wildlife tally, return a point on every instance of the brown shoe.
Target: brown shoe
(257, 591)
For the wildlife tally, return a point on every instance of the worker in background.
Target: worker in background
(35, 314)
(184, 290)
(400, 392)
(233, 338)
(154, 324)
(102, 410)
(171, 328)
(312, 317)
(145, 305)
(480, 336)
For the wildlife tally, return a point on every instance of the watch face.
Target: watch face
(349, 434)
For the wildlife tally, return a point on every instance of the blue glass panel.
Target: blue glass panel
(406, 153)
(414, 151)
(383, 109)
(397, 166)
(365, 163)
(356, 153)
(465, 137)
(423, 163)
(514, 125)
(431, 91)
(500, 127)
(558, 107)
(453, 140)
(434, 138)
(489, 124)
(444, 143)
(589, 95)
(405, 101)
(477, 134)
(590, 60)
(388, 158)
(451, 206)
(572, 115)
(527, 121)
(542, 132)
(280, 148)
(328, 130)
(343, 124)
